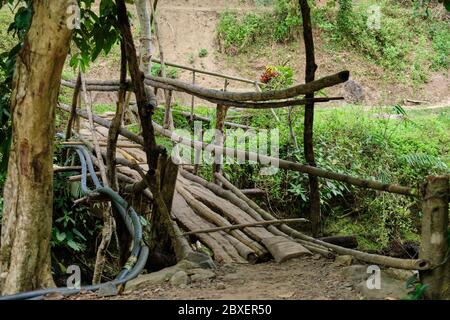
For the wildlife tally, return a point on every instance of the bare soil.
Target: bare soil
(308, 278)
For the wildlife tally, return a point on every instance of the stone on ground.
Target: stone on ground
(179, 279)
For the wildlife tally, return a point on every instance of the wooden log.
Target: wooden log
(223, 250)
(230, 211)
(344, 241)
(435, 237)
(221, 113)
(284, 249)
(230, 196)
(253, 192)
(243, 250)
(216, 219)
(236, 215)
(242, 226)
(283, 164)
(419, 264)
(57, 169)
(291, 92)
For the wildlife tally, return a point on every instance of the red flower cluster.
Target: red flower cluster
(268, 75)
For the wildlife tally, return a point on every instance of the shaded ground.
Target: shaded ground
(308, 278)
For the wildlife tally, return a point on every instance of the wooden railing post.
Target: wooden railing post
(193, 98)
(221, 114)
(434, 246)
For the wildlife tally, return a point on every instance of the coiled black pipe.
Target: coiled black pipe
(139, 253)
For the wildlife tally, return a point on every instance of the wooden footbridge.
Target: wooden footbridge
(224, 219)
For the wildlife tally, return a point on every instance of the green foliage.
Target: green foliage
(402, 31)
(278, 77)
(235, 33)
(98, 32)
(103, 108)
(17, 30)
(386, 144)
(288, 21)
(171, 73)
(282, 24)
(68, 220)
(441, 44)
(203, 53)
(417, 289)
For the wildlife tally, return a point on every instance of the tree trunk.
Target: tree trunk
(311, 67)
(145, 36)
(25, 262)
(434, 245)
(146, 103)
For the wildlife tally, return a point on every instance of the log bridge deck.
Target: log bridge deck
(196, 207)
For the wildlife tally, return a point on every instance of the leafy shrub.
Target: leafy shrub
(388, 149)
(277, 77)
(203, 53)
(288, 20)
(236, 33)
(282, 24)
(401, 32)
(171, 73)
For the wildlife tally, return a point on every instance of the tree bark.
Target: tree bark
(113, 133)
(161, 248)
(25, 262)
(145, 37)
(434, 245)
(311, 67)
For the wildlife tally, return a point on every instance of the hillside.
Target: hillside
(189, 26)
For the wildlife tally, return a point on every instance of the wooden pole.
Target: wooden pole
(219, 140)
(435, 237)
(308, 143)
(258, 89)
(193, 98)
(245, 225)
(283, 164)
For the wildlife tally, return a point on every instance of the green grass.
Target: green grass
(102, 108)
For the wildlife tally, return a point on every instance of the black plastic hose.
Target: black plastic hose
(139, 253)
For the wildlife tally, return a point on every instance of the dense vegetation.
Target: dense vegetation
(385, 144)
(411, 40)
(389, 145)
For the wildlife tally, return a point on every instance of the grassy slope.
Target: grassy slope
(407, 57)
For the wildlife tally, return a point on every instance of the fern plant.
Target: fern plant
(422, 161)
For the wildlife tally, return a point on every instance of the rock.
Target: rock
(202, 259)
(390, 289)
(354, 92)
(221, 286)
(343, 261)
(399, 274)
(107, 290)
(161, 276)
(179, 279)
(200, 275)
(355, 273)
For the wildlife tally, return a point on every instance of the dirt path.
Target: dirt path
(309, 278)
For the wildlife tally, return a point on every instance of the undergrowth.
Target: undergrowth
(384, 144)
(408, 41)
